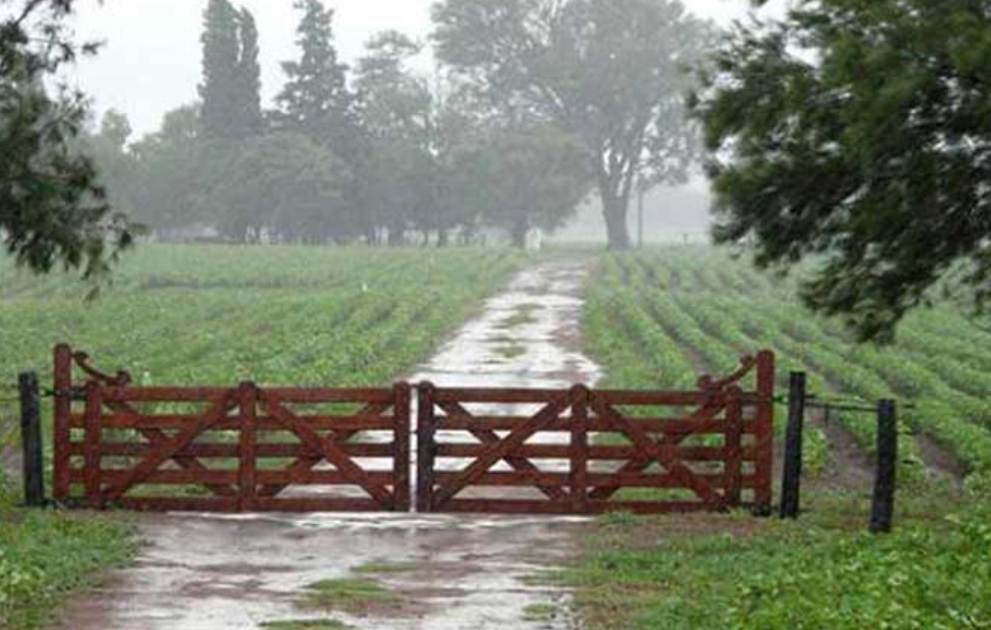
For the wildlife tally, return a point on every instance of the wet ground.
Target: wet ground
(204, 572)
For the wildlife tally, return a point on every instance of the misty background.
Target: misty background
(150, 64)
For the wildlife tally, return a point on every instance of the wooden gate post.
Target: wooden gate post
(791, 479)
(93, 438)
(579, 449)
(401, 446)
(883, 504)
(247, 395)
(764, 469)
(734, 448)
(62, 432)
(31, 440)
(425, 448)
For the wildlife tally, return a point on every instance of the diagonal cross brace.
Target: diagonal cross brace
(657, 452)
(168, 449)
(328, 448)
(501, 450)
(640, 464)
(491, 438)
(156, 438)
(306, 463)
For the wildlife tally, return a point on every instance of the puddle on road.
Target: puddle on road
(201, 572)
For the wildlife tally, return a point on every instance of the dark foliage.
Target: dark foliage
(858, 131)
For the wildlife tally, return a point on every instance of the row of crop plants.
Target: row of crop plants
(946, 387)
(391, 311)
(641, 349)
(225, 334)
(720, 352)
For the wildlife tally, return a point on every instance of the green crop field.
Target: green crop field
(306, 316)
(658, 318)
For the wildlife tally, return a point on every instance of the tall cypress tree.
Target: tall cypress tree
(231, 87)
(317, 103)
(316, 100)
(221, 55)
(249, 76)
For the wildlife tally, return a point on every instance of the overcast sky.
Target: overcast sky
(151, 60)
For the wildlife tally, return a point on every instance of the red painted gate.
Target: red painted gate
(247, 449)
(569, 451)
(580, 451)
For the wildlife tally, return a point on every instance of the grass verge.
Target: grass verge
(306, 624)
(350, 595)
(46, 556)
(384, 568)
(824, 571)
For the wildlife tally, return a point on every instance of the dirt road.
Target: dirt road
(443, 572)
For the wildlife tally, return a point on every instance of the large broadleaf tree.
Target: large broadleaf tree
(858, 133)
(608, 72)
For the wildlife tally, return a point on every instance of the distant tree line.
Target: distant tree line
(851, 131)
(536, 104)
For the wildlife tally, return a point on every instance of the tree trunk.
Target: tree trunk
(442, 238)
(519, 235)
(397, 237)
(615, 211)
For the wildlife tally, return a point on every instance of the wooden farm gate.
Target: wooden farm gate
(583, 451)
(247, 449)
(568, 451)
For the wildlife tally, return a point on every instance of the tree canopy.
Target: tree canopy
(857, 132)
(609, 72)
(52, 208)
(525, 176)
(230, 90)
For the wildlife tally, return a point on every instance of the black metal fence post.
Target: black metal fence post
(883, 505)
(791, 479)
(34, 464)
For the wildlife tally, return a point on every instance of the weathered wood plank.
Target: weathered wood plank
(734, 451)
(201, 477)
(425, 447)
(764, 495)
(499, 396)
(626, 480)
(131, 420)
(578, 477)
(212, 394)
(615, 453)
(247, 482)
(217, 450)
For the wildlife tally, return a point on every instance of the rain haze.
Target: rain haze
(417, 314)
(151, 64)
(151, 60)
